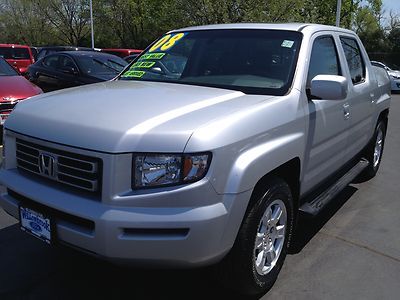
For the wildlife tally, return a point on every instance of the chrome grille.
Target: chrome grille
(6, 108)
(68, 168)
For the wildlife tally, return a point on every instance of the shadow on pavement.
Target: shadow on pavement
(308, 227)
(34, 270)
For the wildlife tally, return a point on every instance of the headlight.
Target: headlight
(154, 170)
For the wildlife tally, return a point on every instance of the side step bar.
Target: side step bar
(316, 205)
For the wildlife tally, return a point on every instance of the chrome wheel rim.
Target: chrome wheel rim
(378, 147)
(270, 237)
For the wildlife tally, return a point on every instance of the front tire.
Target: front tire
(260, 248)
(374, 152)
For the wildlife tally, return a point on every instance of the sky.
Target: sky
(393, 5)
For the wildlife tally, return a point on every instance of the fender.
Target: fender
(256, 162)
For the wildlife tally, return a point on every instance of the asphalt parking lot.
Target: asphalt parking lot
(351, 251)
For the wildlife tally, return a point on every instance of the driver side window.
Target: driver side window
(51, 61)
(66, 62)
(324, 59)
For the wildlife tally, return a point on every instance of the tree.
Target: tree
(367, 24)
(70, 18)
(20, 22)
(324, 12)
(394, 33)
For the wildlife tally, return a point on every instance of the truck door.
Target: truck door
(328, 120)
(362, 94)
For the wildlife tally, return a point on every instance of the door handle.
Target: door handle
(346, 111)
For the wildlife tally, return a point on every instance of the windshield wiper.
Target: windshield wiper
(102, 63)
(114, 62)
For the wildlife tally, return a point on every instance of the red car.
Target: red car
(18, 56)
(122, 52)
(13, 88)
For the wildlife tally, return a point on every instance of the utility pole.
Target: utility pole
(91, 22)
(338, 9)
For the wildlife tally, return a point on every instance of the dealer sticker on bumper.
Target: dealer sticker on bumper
(35, 223)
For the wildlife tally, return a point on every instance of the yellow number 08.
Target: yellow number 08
(167, 42)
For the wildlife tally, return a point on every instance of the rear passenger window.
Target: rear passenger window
(324, 59)
(354, 59)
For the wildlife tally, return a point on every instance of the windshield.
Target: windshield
(252, 61)
(6, 69)
(14, 53)
(99, 64)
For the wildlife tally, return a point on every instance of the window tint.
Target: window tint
(66, 62)
(100, 64)
(21, 53)
(14, 53)
(5, 53)
(51, 61)
(42, 53)
(324, 59)
(354, 59)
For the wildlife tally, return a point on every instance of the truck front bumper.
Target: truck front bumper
(159, 236)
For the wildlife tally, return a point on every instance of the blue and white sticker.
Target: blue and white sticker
(287, 44)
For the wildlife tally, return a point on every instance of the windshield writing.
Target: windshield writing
(253, 61)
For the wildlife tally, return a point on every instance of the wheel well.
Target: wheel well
(383, 116)
(290, 173)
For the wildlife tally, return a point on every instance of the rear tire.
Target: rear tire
(374, 152)
(254, 262)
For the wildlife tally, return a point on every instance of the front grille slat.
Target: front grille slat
(27, 154)
(7, 105)
(76, 177)
(27, 161)
(78, 182)
(35, 168)
(27, 150)
(72, 169)
(85, 165)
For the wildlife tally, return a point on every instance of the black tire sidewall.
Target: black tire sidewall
(275, 189)
(372, 170)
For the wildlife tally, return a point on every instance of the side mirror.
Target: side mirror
(329, 87)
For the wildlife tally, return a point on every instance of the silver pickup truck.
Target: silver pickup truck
(203, 151)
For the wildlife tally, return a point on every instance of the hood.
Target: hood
(125, 116)
(103, 76)
(17, 87)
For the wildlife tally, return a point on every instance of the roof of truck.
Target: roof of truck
(273, 26)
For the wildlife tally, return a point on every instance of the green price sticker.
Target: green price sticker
(136, 74)
(143, 64)
(152, 56)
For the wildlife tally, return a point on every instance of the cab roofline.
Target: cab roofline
(272, 26)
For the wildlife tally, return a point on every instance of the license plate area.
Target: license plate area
(36, 223)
